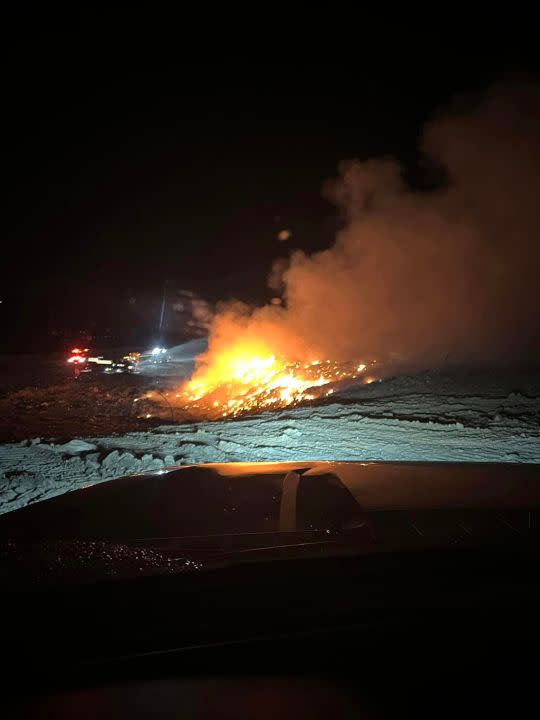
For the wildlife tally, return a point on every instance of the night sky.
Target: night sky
(120, 181)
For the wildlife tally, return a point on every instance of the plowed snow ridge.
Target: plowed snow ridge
(398, 420)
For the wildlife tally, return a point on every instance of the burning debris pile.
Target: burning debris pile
(263, 383)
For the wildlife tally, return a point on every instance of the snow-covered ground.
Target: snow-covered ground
(430, 417)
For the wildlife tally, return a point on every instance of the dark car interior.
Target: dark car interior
(412, 635)
(323, 620)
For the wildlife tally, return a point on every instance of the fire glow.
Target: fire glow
(238, 381)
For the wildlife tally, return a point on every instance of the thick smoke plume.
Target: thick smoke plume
(442, 276)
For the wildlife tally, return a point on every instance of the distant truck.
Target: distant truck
(156, 356)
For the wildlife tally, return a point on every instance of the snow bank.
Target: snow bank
(398, 422)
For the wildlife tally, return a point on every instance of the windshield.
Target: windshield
(296, 311)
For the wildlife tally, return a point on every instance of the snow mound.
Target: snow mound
(430, 418)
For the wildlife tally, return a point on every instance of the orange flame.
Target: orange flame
(247, 376)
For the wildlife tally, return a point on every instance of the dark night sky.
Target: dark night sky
(119, 179)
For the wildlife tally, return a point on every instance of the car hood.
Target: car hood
(193, 517)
